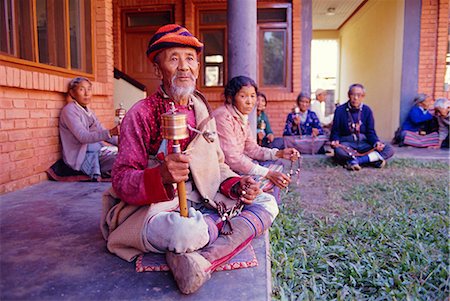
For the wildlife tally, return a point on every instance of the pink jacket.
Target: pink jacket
(237, 141)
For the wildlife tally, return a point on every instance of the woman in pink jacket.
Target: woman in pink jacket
(238, 141)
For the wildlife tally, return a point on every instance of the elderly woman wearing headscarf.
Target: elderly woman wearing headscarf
(82, 134)
(419, 128)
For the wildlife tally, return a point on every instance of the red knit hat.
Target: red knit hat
(172, 35)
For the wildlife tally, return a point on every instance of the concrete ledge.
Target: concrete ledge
(52, 249)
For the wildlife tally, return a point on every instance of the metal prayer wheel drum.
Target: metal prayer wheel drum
(174, 126)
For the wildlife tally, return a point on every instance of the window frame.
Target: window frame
(287, 26)
(14, 60)
(276, 26)
(208, 28)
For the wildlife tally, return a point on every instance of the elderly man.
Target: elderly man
(353, 134)
(141, 212)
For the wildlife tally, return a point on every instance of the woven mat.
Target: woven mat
(151, 262)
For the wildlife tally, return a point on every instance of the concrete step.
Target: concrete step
(52, 249)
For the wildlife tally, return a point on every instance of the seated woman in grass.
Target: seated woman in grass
(237, 139)
(420, 129)
(264, 133)
(303, 130)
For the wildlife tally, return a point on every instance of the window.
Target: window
(274, 51)
(274, 47)
(213, 36)
(57, 34)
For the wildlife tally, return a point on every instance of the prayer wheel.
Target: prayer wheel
(174, 127)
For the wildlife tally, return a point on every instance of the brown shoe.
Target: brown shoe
(189, 270)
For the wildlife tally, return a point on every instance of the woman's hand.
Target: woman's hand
(278, 178)
(288, 154)
(270, 137)
(315, 132)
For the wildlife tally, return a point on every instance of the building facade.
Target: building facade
(46, 43)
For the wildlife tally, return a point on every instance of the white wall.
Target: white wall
(371, 54)
(126, 93)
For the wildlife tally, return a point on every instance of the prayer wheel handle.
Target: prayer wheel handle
(174, 128)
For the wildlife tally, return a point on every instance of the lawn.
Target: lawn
(368, 235)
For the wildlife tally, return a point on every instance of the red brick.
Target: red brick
(10, 76)
(17, 135)
(21, 155)
(35, 80)
(6, 103)
(20, 124)
(2, 75)
(16, 80)
(23, 79)
(39, 114)
(29, 76)
(17, 113)
(25, 144)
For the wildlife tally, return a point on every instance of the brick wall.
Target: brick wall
(434, 38)
(31, 98)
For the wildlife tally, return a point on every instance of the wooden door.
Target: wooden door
(138, 27)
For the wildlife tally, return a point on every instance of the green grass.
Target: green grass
(397, 248)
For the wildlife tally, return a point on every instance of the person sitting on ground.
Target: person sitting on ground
(82, 135)
(305, 126)
(265, 135)
(442, 113)
(236, 138)
(140, 212)
(318, 106)
(353, 134)
(420, 126)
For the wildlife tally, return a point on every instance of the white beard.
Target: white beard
(179, 93)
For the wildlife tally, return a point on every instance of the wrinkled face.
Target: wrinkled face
(442, 112)
(356, 96)
(82, 93)
(178, 69)
(322, 96)
(261, 104)
(303, 104)
(427, 103)
(245, 99)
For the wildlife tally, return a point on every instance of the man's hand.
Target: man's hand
(379, 146)
(278, 178)
(114, 131)
(175, 168)
(248, 189)
(334, 143)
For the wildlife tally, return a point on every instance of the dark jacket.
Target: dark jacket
(341, 123)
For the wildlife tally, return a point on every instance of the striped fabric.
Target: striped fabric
(172, 35)
(305, 144)
(416, 140)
